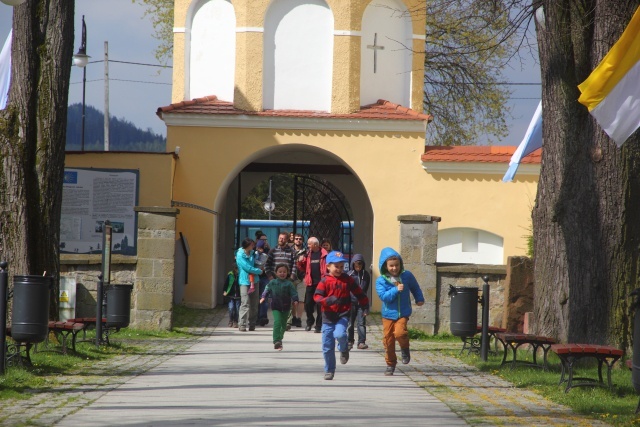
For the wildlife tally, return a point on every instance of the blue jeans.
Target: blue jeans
(330, 333)
(357, 318)
(234, 309)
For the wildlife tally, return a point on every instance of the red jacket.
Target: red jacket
(305, 266)
(334, 296)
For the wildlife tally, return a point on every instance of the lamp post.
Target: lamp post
(81, 59)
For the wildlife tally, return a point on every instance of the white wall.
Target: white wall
(392, 79)
(298, 55)
(469, 245)
(212, 51)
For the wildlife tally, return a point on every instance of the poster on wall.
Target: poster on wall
(89, 198)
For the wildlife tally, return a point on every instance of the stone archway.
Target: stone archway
(297, 159)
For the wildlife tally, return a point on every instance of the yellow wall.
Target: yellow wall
(387, 164)
(155, 171)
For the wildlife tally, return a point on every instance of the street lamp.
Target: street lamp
(81, 59)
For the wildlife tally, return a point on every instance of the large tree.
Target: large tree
(586, 218)
(32, 136)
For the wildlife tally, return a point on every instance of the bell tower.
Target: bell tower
(320, 55)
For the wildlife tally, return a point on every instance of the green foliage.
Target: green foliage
(160, 12)
(281, 195)
(615, 407)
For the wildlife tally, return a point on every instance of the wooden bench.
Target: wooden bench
(17, 353)
(570, 353)
(473, 344)
(90, 322)
(512, 341)
(63, 329)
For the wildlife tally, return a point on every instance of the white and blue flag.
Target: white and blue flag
(5, 72)
(531, 142)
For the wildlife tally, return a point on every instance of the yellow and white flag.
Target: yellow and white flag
(612, 90)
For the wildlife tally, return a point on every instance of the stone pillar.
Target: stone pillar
(419, 249)
(153, 291)
(518, 292)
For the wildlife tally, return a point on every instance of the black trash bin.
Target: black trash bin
(464, 310)
(118, 299)
(30, 313)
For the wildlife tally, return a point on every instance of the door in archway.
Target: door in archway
(320, 210)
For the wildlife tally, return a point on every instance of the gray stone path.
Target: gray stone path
(231, 378)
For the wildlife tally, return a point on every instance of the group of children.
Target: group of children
(334, 294)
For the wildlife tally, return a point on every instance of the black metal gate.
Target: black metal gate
(320, 211)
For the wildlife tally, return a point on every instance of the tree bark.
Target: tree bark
(585, 220)
(32, 138)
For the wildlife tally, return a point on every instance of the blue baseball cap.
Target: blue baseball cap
(335, 257)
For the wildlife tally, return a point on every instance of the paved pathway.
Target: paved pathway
(232, 378)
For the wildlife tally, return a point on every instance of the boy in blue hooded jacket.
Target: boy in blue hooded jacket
(393, 287)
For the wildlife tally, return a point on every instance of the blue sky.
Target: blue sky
(135, 92)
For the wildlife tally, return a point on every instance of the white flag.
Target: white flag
(5, 71)
(531, 142)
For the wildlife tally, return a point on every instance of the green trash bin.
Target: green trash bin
(464, 311)
(30, 313)
(118, 301)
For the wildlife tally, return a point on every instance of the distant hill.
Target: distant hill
(123, 135)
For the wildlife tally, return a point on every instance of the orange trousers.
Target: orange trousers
(394, 330)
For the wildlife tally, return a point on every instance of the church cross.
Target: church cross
(376, 47)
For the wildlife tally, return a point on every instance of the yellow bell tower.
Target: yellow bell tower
(318, 55)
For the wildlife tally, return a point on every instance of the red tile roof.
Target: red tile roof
(381, 110)
(477, 154)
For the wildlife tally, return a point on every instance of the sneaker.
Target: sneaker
(277, 345)
(328, 375)
(297, 322)
(344, 357)
(252, 328)
(317, 330)
(350, 345)
(242, 329)
(307, 328)
(406, 355)
(235, 325)
(230, 324)
(288, 327)
(390, 370)
(263, 322)
(362, 346)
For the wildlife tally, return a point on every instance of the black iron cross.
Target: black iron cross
(375, 48)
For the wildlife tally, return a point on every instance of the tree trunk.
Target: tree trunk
(32, 138)
(585, 221)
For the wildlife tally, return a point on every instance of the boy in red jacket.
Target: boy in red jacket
(333, 294)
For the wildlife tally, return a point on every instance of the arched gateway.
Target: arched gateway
(301, 69)
(331, 88)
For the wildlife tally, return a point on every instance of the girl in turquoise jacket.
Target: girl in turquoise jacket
(394, 287)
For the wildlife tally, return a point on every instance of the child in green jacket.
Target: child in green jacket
(283, 294)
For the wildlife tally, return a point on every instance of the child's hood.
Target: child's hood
(357, 257)
(384, 256)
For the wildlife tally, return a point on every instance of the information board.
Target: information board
(89, 198)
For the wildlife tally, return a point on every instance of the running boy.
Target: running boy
(333, 296)
(393, 287)
(282, 293)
